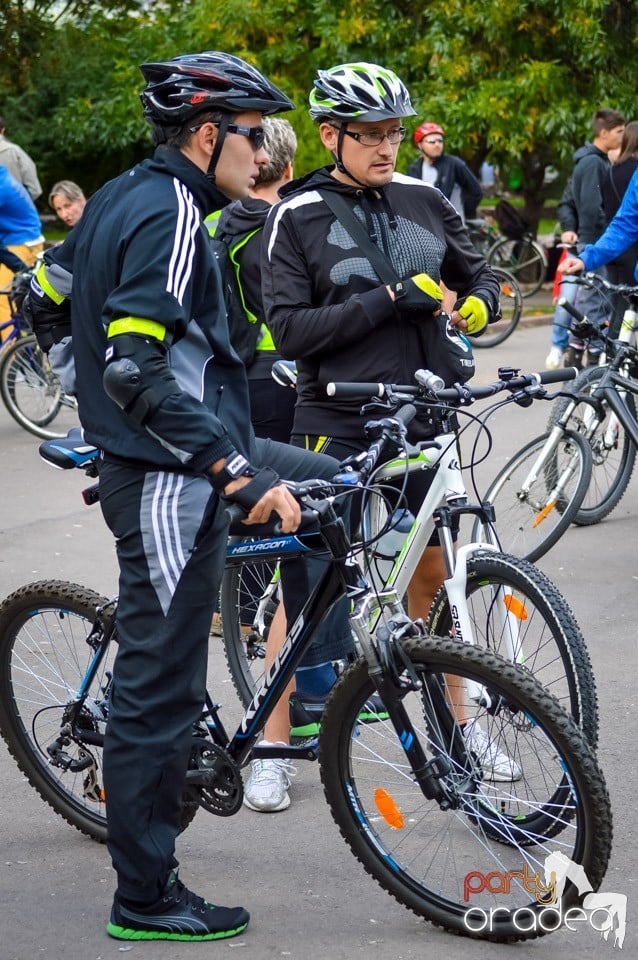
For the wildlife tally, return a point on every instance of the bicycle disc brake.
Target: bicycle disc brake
(213, 779)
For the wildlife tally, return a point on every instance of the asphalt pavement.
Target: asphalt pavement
(307, 895)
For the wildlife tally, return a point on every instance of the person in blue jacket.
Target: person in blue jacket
(621, 233)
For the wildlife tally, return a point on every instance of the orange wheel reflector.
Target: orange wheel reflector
(514, 606)
(388, 809)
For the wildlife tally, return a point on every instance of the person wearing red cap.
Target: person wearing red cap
(450, 174)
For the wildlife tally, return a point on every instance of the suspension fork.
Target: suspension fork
(504, 603)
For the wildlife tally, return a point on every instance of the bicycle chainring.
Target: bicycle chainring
(213, 779)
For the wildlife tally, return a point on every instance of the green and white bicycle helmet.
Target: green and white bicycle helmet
(359, 91)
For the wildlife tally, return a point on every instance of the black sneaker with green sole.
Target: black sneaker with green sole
(306, 711)
(178, 915)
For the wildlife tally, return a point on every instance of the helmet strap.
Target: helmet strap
(337, 155)
(217, 149)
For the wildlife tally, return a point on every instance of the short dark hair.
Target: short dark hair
(183, 135)
(606, 119)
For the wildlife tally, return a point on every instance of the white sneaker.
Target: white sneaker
(266, 789)
(496, 764)
(554, 359)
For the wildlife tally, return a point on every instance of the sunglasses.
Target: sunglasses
(256, 135)
(434, 139)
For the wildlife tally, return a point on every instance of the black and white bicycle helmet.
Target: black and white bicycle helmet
(359, 91)
(179, 89)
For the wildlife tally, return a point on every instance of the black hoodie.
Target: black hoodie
(325, 304)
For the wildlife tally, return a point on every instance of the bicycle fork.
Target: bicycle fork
(393, 675)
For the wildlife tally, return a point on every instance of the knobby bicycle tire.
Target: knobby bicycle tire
(613, 456)
(44, 656)
(248, 600)
(500, 590)
(511, 302)
(530, 522)
(525, 258)
(422, 854)
(32, 393)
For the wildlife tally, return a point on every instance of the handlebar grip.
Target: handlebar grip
(571, 309)
(558, 376)
(341, 389)
(405, 414)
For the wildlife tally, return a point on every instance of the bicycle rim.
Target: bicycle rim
(44, 655)
(613, 452)
(511, 303)
(524, 258)
(530, 516)
(432, 859)
(517, 613)
(248, 601)
(32, 393)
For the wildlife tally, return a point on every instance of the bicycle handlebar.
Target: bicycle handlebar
(460, 394)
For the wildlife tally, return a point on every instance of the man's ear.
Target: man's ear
(329, 136)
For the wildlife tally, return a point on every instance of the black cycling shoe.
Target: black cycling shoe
(305, 713)
(178, 915)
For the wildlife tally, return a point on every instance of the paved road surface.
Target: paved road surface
(308, 896)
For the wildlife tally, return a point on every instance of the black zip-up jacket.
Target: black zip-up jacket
(142, 251)
(326, 306)
(451, 170)
(580, 208)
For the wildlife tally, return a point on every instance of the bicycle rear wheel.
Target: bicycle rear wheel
(511, 302)
(426, 856)
(518, 613)
(613, 452)
(530, 515)
(32, 393)
(47, 641)
(525, 258)
(48, 638)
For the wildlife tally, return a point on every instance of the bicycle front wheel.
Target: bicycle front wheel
(432, 858)
(511, 302)
(613, 452)
(535, 501)
(32, 393)
(524, 258)
(518, 613)
(248, 600)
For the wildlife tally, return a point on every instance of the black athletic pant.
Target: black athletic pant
(171, 540)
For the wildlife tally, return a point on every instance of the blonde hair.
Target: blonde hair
(66, 189)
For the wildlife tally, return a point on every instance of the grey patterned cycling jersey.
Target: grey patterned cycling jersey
(327, 307)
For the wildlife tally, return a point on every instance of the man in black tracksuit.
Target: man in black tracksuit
(164, 396)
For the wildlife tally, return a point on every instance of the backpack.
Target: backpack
(244, 327)
(511, 223)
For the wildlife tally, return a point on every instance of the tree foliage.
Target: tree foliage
(513, 81)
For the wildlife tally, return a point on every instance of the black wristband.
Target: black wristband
(250, 494)
(236, 466)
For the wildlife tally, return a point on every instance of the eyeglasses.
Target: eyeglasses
(256, 135)
(434, 140)
(376, 139)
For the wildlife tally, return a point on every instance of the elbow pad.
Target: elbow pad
(137, 377)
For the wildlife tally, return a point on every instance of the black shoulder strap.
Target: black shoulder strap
(355, 228)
